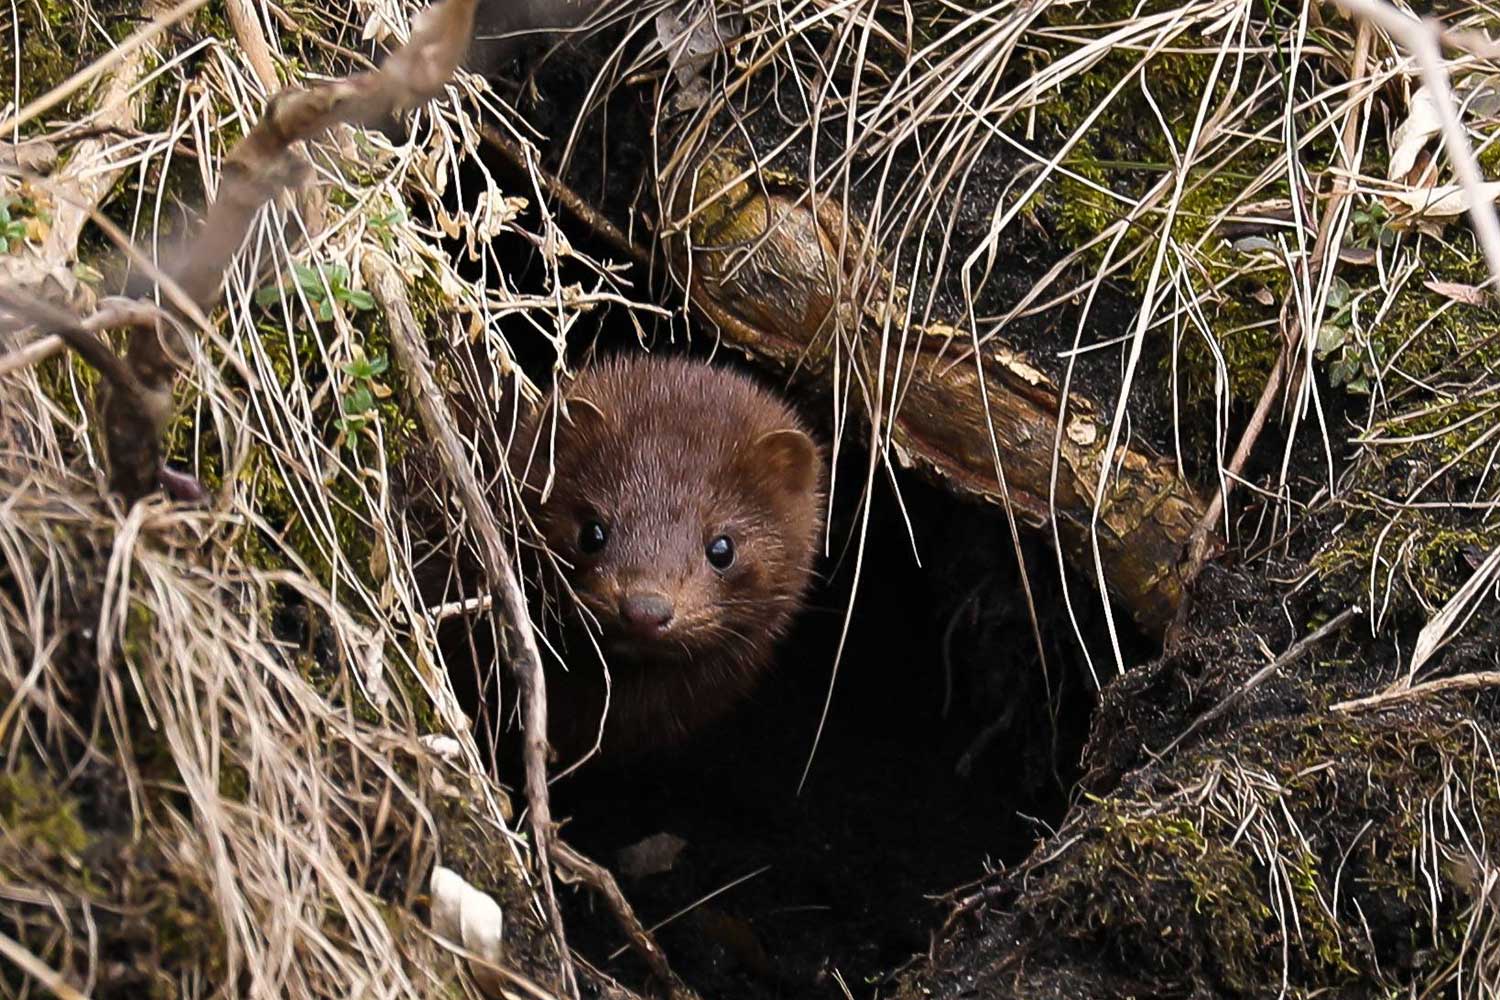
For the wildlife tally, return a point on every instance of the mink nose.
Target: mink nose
(646, 611)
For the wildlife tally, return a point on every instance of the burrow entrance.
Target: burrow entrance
(951, 744)
(948, 747)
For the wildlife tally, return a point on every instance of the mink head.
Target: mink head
(684, 509)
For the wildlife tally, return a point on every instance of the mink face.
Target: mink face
(684, 510)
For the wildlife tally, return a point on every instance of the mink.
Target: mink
(680, 503)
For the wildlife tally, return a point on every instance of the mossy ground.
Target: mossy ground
(1279, 842)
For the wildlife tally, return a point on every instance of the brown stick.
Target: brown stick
(517, 637)
(35, 352)
(252, 39)
(72, 333)
(599, 879)
(570, 200)
(1459, 682)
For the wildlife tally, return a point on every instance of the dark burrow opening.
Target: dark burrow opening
(952, 741)
(948, 747)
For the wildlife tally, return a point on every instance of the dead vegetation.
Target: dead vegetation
(1175, 285)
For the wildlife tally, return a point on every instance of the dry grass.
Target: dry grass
(274, 772)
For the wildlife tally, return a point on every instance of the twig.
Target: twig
(1458, 682)
(258, 168)
(468, 606)
(964, 907)
(37, 351)
(293, 25)
(690, 907)
(566, 196)
(599, 879)
(515, 629)
(113, 313)
(1294, 653)
(252, 39)
(63, 325)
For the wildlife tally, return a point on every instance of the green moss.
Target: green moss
(54, 44)
(1144, 878)
(1434, 450)
(37, 817)
(1305, 840)
(1129, 149)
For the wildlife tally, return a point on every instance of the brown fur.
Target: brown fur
(669, 454)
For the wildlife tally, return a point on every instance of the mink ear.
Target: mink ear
(788, 456)
(584, 413)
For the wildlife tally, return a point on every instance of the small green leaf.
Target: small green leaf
(269, 295)
(359, 368)
(361, 300)
(308, 279)
(361, 400)
(378, 365)
(1338, 293)
(350, 425)
(1338, 372)
(325, 310)
(1330, 339)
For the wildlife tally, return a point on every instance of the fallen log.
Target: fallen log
(772, 270)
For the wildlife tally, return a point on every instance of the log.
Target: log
(772, 269)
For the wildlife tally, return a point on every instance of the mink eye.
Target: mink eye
(592, 537)
(720, 552)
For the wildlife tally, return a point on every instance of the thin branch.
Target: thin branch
(566, 196)
(1459, 682)
(598, 878)
(252, 38)
(61, 324)
(515, 629)
(1297, 650)
(34, 353)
